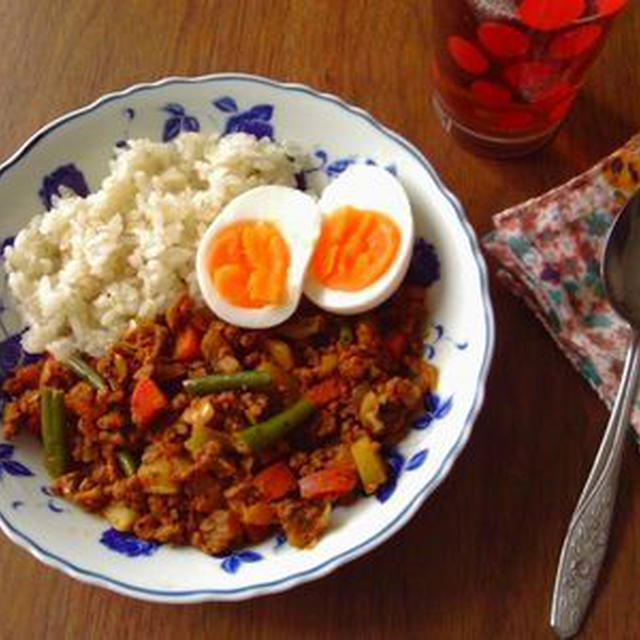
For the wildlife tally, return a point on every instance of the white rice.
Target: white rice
(84, 270)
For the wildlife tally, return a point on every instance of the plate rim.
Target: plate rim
(400, 520)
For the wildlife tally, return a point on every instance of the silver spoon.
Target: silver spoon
(586, 540)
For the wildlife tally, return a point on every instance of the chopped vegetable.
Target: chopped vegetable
(265, 433)
(346, 334)
(329, 483)
(147, 402)
(200, 411)
(302, 328)
(325, 392)
(276, 481)
(228, 364)
(120, 516)
(52, 426)
(84, 371)
(328, 364)
(304, 521)
(369, 463)
(396, 343)
(200, 435)
(213, 343)
(187, 345)
(281, 353)
(127, 462)
(226, 382)
(286, 382)
(258, 515)
(158, 476)
(368, 413)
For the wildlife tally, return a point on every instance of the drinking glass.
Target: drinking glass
(507, 72)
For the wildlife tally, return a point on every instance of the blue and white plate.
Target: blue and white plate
(74, 151)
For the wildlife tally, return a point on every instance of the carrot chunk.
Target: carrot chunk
(187, 345)
(328, 483)
(275, 481)
(147, 402)
(324, 392)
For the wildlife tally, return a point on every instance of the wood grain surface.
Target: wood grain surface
(478, 560)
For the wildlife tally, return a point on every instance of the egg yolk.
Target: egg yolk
(249, 263)
(356, 247)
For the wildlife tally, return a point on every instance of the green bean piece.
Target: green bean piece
(52, 426)
(126, 462)
(346, 334)
(265, 433)
(228, 382)
(84, 371)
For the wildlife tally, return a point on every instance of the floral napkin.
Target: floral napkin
(548, 251)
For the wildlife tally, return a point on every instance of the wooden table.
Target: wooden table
(478, 561)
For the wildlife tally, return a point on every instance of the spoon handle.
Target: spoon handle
(586, 540)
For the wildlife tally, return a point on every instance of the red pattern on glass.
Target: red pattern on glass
(609, 7)
(491, 94)
(548, 15)
(503, 41)
(576, 42)
(532, 79)
(467, 55)
(515, 120)
(554, 94)
(510, 76)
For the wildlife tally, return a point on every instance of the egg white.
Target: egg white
(371, 188)
(297, 217)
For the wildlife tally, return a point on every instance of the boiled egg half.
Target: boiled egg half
(252, 260)
(365, 243)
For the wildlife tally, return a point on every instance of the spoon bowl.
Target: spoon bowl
(621, 263)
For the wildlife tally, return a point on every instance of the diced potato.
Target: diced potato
(228, 364)
(157, 477)
(304, 521)
(369, 412)
(259, 514)
(281, 354)
(200, 435)
(328, 364)
(371, 467)
(200, 411)
(120, 516)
